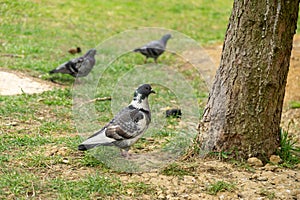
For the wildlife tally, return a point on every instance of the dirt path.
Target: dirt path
(13, 83)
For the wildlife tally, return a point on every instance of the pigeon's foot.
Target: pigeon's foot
(125, 153)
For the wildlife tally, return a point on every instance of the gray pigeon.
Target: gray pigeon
(126, 127)
(78, 67)
(154, 48)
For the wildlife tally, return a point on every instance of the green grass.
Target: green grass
(220, 186)
(20, 184)
(294, 104)
(42, 32)
(266, 193)
(34, 129)
(288, 151)
(175, 170)
(94, 185)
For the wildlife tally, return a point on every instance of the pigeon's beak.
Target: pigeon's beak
(152, 91)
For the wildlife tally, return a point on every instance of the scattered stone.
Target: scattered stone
(62, 151)
(270, 167)
(189, 179)
(146, 197)
(296, 193)
(254, 176)
(184, 195)
(12, 124)
(65, 160)
(51, 152)
(194, 197)
(275, 159)
(275, 181)
(253, 161)
(262, 178)
(240, 195)
(161, 196)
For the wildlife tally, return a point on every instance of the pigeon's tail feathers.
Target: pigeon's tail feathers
(85, 147)
(137, 50)
(60, 69)
(98, 139)
(53, 71)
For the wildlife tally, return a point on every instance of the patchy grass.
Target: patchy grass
(38, 137)
(266, 193)
(175, 170)
(220, 186)
(91, 186)
(38, 140)
(288, 151)
(42, 32)
(294, 104)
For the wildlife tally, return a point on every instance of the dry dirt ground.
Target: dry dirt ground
(13, 83)
(266, 182)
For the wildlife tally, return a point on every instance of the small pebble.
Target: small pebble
(253, 161)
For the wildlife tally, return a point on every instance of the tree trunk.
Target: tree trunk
(244, 108)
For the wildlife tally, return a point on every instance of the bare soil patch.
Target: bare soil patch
(13, 83)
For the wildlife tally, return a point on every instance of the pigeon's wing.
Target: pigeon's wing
(97, 139)
(155, 45)
(152, 49)
(128, 128)
(86, 66)
(61, 69)
(71, 67)
(125, 125)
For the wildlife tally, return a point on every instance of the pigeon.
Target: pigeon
(154, 48)
(126, 127)
(75, 50)
(78, 67)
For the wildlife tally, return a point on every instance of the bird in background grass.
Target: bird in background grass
(75, 50)
(126, 127)
(78, 67)
(154, 48)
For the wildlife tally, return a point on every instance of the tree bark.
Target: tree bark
(244, 108)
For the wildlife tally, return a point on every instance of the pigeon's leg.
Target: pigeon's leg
(77, 81)
(145, 61)
(124, 152)
(155, 60)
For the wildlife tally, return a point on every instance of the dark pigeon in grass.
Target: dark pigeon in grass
(78, 67)
(154, 48)
(126, 127)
